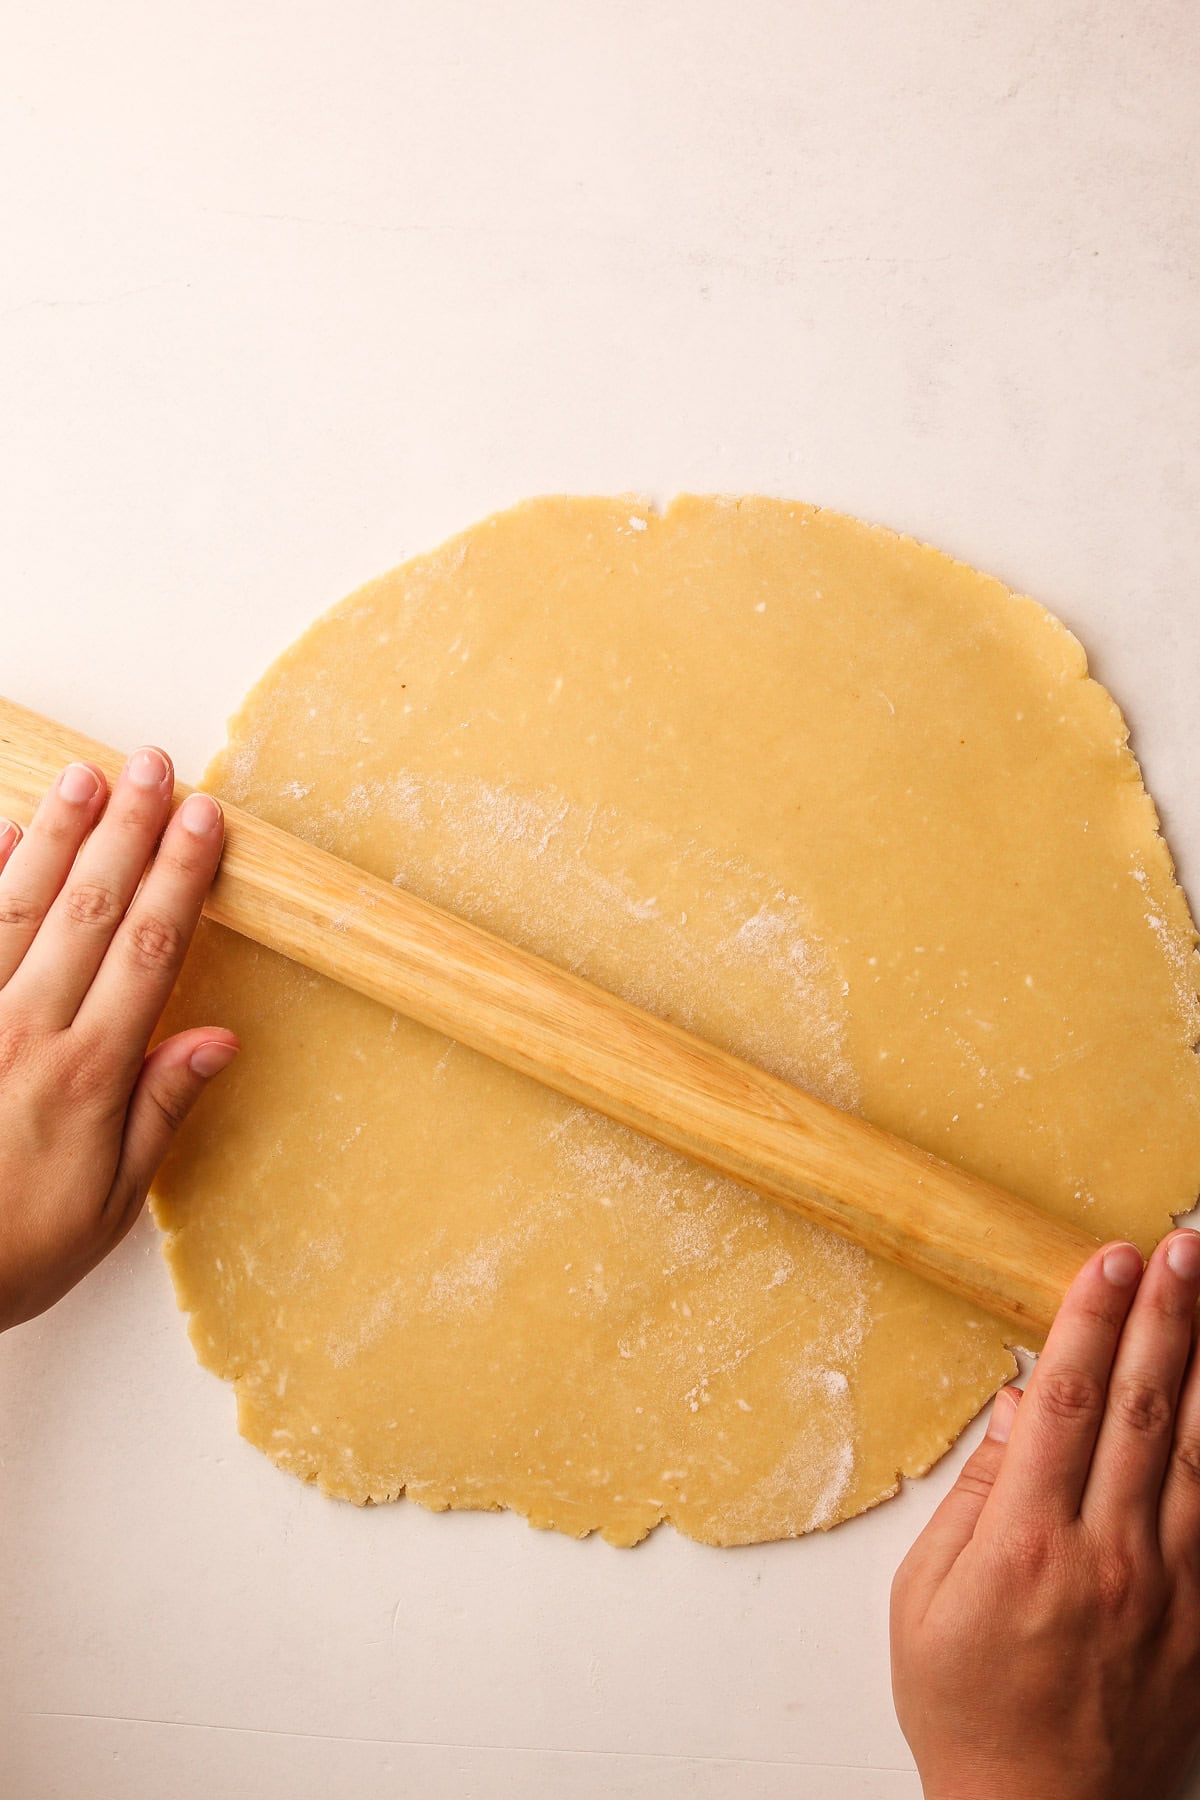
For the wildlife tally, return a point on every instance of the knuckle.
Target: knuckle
(15, 1044)
(56, 825)
(1030, 1551)
(179, 863)
(1102, 1313)
(83, 1076)
(1118, 1582)
(1070, 1395)
(1169, 1303)
(976, 1478)
(155, 943)
(1185, 1458)
(976, 1485)
(139, 815)
(21, 911)
(173, 1105)
(91, 904)
(1141, 1406)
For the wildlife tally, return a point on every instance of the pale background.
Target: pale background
(290, 291)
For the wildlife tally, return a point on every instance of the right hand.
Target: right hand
(1046, 1624)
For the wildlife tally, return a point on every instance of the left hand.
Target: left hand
(95, 920)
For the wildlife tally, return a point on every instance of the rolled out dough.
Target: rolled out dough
(810, 788)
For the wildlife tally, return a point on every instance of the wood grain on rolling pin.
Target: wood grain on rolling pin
(831, 1167)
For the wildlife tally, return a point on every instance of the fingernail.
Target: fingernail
(210, 1059)
(9, 834)
(148, 768)
(1123, 1265)
(1004, 1411)
(200, 814)
(78, 783)
(1183, 1255)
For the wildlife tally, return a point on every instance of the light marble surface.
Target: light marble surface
(291, 291)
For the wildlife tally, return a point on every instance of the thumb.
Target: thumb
(173, 1077)
(952, 1526)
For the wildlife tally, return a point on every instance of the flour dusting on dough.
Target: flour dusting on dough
(532, 869)
(372, 1319)
(1179, 953)
(709, 1238)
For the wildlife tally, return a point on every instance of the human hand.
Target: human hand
(1046, 1623)
(87, 959)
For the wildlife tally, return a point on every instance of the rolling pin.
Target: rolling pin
(834, 1169)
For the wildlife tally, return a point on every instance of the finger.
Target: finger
(10, 837)
(1179, 1511)
(39, 863)
(1050, 1451)
(173, 1077)
(140, 966)
(953, 1524)
(1124, 1484)
(60, 964)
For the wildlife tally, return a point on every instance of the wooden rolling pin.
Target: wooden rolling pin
(832, 1168)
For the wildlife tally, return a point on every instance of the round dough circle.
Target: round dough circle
(812, 789)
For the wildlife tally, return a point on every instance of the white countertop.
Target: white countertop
(290, 292)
